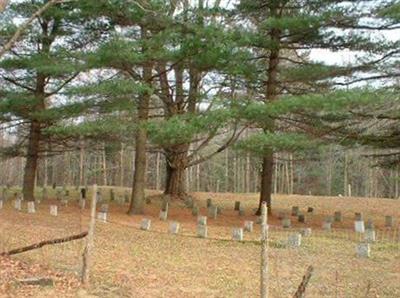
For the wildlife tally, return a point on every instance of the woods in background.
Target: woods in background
(188, 96)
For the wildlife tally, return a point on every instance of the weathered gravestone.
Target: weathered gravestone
(237, 234)
(301, 218)
(327, 224)
(31, 207)
(286, 222)
(145, 224)
(58, 195)
(202, 231)
(99, 196)
(389, 221)
(310, 210)
(363, 250)
(83, 193)
(219, 210)
(212, 212)
(189, 202)
(237, 206)
(295, 210)
(174, 227)
(241, 211)
(338, 216)
(102, 216)
(17, 204)
(359, 226)
(306, 232)
(209, 202)
(112, 195)
(126, 197)
(294, 240)
(202, 220)
(53, 210)
(248, 226)
(195, 210)
(370, 235)
(164, 212)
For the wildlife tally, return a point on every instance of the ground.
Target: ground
(129, 262)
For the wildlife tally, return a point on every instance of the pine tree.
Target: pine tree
(281, 33)
(34, 73)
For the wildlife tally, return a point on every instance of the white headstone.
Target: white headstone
(17, 204)
(202, 220)
(202, 231)
(294, 240)
(359, 226)
(248, 226)
(53, 210)
(363, 250)
(174, 227)
(31, 207)
(237, 234)
(102, 216)
(145, 225)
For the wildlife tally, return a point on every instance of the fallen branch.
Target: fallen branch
(43, 243)
(302, 287)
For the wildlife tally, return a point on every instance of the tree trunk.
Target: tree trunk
(31, 162)
(139, 178)
(266, 182)
(175, 186)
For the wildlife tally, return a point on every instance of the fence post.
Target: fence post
(264, 252)
(90, 239)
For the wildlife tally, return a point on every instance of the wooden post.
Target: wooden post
(264, 252)
(90, 239)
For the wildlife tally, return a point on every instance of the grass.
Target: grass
(129, 262)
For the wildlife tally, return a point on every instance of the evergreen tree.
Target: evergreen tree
(281, 32)
(34, 73)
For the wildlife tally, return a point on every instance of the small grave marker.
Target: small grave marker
(112, 195)
(237, 234)
(301, 218)
(53, 210)
(295, 210)
(286, 223)
(294, 240)
(306, 232)
(241, 211)
(358, 216)
(310, 210)
(363, 250)
(174, 227)
(209, 203)
(389, 221)
(202, 231)
(202, 220)
(145, 224)
(31, 207)
(17, 204)
(248, 226)
(359, 226)
(338, 216)
(195, 210)
(237, 206)
(212, 212)
(164, 212)
(370, 235)
(102, 216)
(327, 225)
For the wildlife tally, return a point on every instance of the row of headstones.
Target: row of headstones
(337, 217)
(363, 249)
(202, 230)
